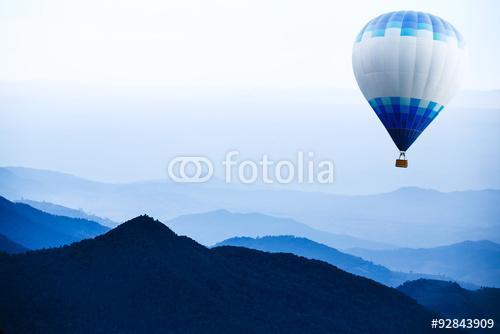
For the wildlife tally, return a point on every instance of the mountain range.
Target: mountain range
(415, 217)
(59, 210)
(453, 302)
(211, 227)
(142, 278)
(313, 250)
(34, 229)
(477, 262)
(9, 246)
(471, 263)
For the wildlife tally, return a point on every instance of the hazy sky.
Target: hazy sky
(111, 90)
(214, 43)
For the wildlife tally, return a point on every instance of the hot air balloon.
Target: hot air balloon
(408, 66)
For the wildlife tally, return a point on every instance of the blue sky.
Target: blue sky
(219, 44)
(111, 90)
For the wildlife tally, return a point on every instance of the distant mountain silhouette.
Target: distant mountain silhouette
(212, 227)
(60, 210)
(452, 301)
(9, 246)
(142, 278)
(36, 229)
(313, 250)
(477, 262)
(415, 217)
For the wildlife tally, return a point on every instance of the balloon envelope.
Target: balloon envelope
(408, 66)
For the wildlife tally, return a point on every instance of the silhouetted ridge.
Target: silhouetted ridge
(35, 229)
(477, 262)
(9, 246)
(60, 210)
(211, 227)
(313, 250)
(143, 278)
(4, 201)
(143, 225)
(144, 234)
(452, 301)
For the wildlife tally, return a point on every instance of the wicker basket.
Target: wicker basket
(402, 163)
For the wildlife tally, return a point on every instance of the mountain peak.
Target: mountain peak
(430, 284)
(482, 243)
(142, 220)
(150, 280)
(141, 227)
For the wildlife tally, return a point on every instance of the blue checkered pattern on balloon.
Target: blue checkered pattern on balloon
(405, 118)
(409, 22)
